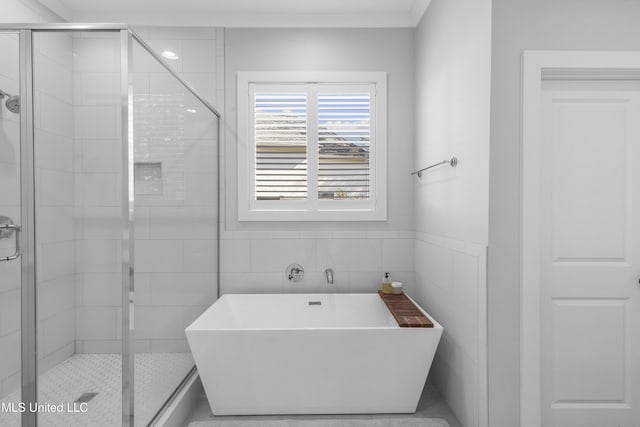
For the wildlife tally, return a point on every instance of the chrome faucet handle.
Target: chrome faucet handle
(328, 274)
(295, 272)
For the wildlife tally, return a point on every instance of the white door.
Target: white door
(590, 253)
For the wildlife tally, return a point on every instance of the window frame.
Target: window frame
(313, 208)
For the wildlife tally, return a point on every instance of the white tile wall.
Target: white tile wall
(55, 260)
(273, 255)
(355, 254)
(55, 188)
(57, 83)
(194, 59)
(204, 85)
(98, 323)
(234, 256)
(175, 248)
(102, 88)
(10, 189)
(97, 121)
(99, 155)
(55, 115)
(55, 197)
(183, 289)
(251, 283)
(9, 312)
(397, 254)
(99, 289)
(96, 55)
(182, 222)
(10, 366)
(53, 152)
(62, 217)
(255, 262)
(97, 256)
(55, 296)
(160, 256)
(176, 245)
(452, 278)
(100, 222)
(57, 331)
(200, 256)
(165, 322)
(98, 191)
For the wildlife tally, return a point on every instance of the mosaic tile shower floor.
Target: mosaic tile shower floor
(156, 376)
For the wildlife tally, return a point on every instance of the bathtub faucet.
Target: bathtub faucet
(328, 273)
(295, 272)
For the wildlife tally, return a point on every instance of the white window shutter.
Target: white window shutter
(280, 129)
(344, 142)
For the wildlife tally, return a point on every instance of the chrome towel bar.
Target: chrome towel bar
(453, 162)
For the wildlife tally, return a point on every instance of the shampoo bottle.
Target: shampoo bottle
(386, 283)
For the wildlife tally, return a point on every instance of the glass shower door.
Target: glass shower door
(10, 218)
(78, 215)
(176, 214)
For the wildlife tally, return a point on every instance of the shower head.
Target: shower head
(12, 103)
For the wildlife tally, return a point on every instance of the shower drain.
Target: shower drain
(85, 397)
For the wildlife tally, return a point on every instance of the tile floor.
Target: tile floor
(431, 405)
(156, 377)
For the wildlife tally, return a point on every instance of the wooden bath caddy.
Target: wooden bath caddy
(405, 311)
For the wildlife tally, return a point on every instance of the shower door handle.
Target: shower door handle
(7, 228)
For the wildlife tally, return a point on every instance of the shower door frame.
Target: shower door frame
(29, 354)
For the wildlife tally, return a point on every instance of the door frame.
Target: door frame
(536, 67)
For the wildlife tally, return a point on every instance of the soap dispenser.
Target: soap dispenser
(386, 283)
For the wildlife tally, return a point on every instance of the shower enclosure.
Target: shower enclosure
(108, 225)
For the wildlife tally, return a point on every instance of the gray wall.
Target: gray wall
(389, 50)
(453, 57)
(254, 255)
(520, 25)
(453, 60)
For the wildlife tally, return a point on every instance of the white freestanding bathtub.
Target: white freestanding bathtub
(309, 354)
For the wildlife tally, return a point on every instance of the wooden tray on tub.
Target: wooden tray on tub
(405, 311)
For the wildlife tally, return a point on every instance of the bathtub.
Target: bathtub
(309, 354)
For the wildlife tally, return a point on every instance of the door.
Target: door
(590, 253)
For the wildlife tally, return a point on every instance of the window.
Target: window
(311, 146)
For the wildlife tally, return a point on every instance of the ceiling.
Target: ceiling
(245, 13)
